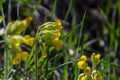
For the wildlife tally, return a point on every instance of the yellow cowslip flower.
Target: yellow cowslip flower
(20, 56)
(83, 58)
(58, 24)
(97, 56)
(1, 19)
(24, 55)
(97, 76)
(28, 40)
(15, 40)
(57, 34)
(16, 59)
(17, 27)
(21, 79)
(44, 55)
(83, 78)
(57, 44)
(81, 64)
(28, 20)
(87, 70)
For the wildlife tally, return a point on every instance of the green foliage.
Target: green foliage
(60, 64)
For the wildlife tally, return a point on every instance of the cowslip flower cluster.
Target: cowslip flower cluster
(14, 39)
(88, 73)
(49, 36)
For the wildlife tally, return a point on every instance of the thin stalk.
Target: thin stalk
(9, 11)
(53, 10)
(36, 7)
(68, 10)
(6, 47)
(80, 36)
(36, 59)
(18, 5)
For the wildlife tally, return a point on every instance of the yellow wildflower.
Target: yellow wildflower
(97, 77)
(28, 20)
(57, 34)
(83, 78)
(58, 24)
(57, 44)
(15, 40)
(44, 55)
(24, 55)
(15, 61)
(97, 56)
(83, 58)
(28, 40)
(1, 19)
(87, 70)
(20, 56)
(21, 79)
(81, 64)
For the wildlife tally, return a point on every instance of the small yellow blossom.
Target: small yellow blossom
(24, 55)
(83, 58)
(15, 61)
(97, 77)
(15, 42)
(21, 79)
(83, 78)
(97, 56)
(28, 40)
(44, 55)
(81, 64)
(57, 34)
(1, 19)
(58, 24)
(57, 44)
(20, 56)
(87, 70)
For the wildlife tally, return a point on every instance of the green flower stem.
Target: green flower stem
(6, 47)
(6, 61)
(36, 56)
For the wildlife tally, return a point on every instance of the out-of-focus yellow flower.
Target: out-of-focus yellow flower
(97, 77)
(49, 33)
(20, 56)
(81, 64)
(83, 58)
(24, 55)
(57, 44)
(17, 27)
(87, 70)
(83, 78)
(44, 55)
(97, 56)
(58, 24)
(15, 40)
(1, 19)
(21, 79)
(28, 40)
(57, 34)
(15, 61)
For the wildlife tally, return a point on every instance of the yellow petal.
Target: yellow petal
(1, 19)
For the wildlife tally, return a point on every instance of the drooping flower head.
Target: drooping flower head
(50, 32)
